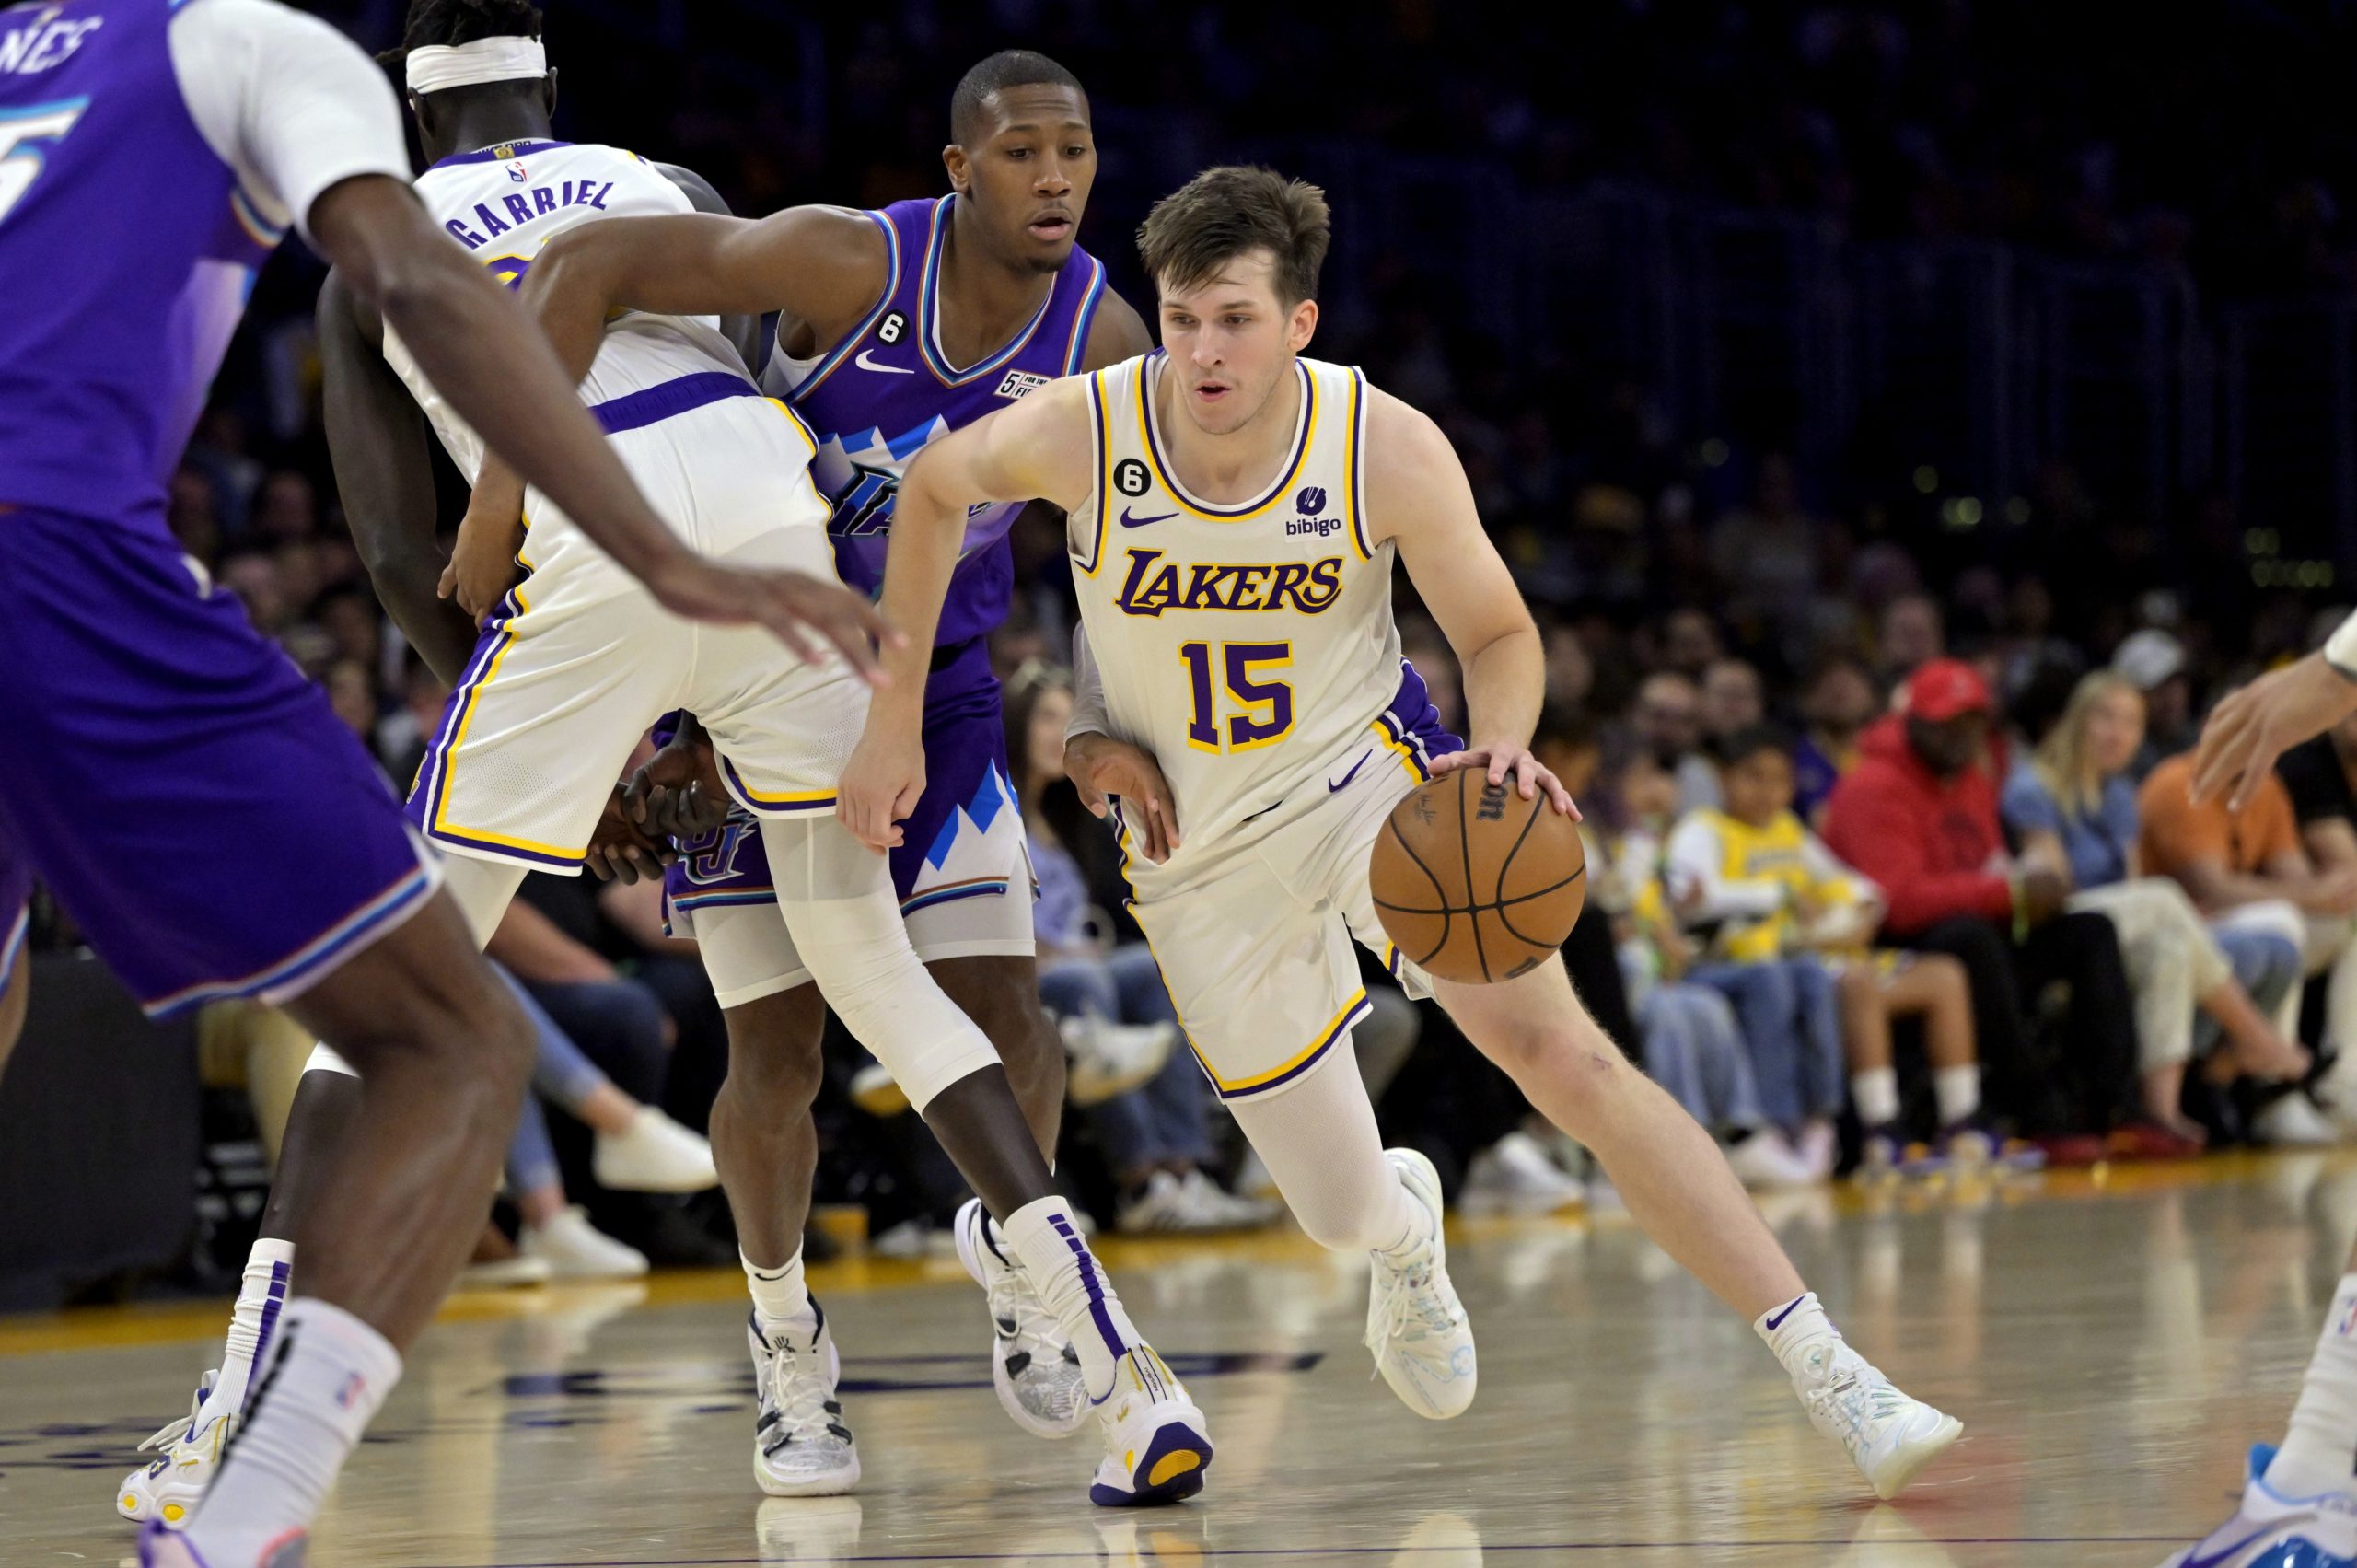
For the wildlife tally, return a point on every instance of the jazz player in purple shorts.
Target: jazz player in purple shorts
(896, 327)
(151, 155)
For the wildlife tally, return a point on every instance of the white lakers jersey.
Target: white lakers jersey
(504, 203)
(1249, 647)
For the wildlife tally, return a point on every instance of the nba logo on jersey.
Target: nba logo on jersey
(516, 171)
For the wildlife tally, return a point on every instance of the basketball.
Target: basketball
(1474, 883)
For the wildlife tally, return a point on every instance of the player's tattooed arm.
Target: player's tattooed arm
(1418, 498)
(384, 470)
(1042, 447)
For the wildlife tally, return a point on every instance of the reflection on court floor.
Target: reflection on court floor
(2113, 1343)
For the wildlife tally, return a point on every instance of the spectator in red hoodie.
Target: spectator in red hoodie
(1917, 815)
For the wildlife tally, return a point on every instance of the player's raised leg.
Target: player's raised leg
(836, 899)
(1679, 1188)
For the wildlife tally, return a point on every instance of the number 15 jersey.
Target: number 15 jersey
(1250, 648)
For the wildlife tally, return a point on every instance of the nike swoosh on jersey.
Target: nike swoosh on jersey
(1130, 522)
(866, 364)
(1331, 786)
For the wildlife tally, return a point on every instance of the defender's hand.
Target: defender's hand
(791, 605)
(881, 783)
(1099, 766)
(1530, 777)
(619, 851)
(2257, 725)
(677, 794)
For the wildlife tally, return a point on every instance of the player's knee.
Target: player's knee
(1857, 986)
(775, 1073)
(1575, 1065)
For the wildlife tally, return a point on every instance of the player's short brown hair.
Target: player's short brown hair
(1229, 212)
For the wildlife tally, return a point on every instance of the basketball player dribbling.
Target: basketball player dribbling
(151, 155)
(1234, 513)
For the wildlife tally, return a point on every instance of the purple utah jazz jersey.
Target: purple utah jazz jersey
(126, 250)
(885, 390)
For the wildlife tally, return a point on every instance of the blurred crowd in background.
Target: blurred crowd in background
(1894, 869)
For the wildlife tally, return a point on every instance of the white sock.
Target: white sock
(1958, 1091)
(253, 1323)
(1875, 1092)
(1420, 1225)
(318, 1393)
(1073, 1286)
(2320, 1450)
(1792, 1329)
(780, 1296)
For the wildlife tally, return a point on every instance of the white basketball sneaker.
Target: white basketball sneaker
(166, 1489)
(2270, 1530)
(1416, 1327)
(801, 1447)
(1157, 1443)
(1889, 1435)
(1033, 1366)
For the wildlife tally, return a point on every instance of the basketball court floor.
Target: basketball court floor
(2112, 1341)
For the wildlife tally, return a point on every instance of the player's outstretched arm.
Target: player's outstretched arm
(743, 329)
(474, 344)
(822, 264)
(2254, 725)
(384, 470)
(1418, 498)
(1042, 447)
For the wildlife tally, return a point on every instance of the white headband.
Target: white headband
(440, 66)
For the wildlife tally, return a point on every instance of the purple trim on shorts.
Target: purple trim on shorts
(635, 410)
(982, 887)
(1348, 1022)
(18, 929)
(356, 930)
(425, 790)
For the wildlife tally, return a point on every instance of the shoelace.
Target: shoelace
(1852, 1400)
(1408, 1301)
(181, 1428)
(1013, 1301)
(797, 1395)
